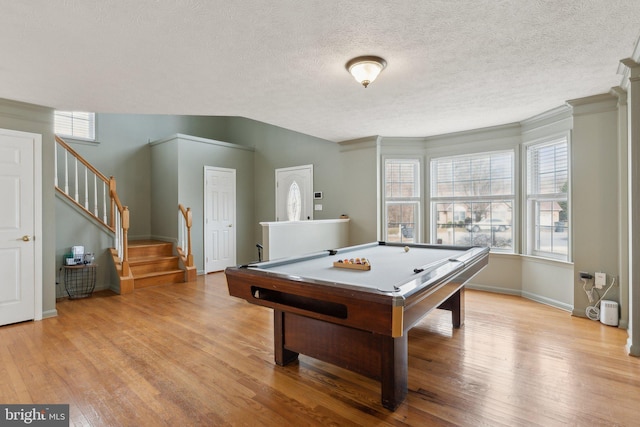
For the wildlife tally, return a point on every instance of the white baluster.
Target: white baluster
(86, 189)
(104, 202)
(95, 195)
(76, 183)
(120, 236)
(66, 173)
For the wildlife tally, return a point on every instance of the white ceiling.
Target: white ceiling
(452, 65)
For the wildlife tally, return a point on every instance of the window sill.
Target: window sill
(544, 260)
(532, 258)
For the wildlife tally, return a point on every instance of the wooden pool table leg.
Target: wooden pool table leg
(457, 310)
(455, 304)
(394, 376)
(282, 355)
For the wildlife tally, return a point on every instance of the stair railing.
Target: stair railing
(89, 190)
(120, 217)
(185, 222)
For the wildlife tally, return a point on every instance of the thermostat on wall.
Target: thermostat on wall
(317, 195)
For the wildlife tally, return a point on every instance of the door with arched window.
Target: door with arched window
(294, 193)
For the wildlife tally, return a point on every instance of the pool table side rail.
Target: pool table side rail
(298, 258)
(347, 306)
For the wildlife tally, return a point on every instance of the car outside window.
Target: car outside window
(472, 200)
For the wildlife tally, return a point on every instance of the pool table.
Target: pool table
(359, 319)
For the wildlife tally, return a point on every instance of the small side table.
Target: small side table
(80, 280)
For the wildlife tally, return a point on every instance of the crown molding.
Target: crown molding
(594, 104)
(183, 137)
(507, 132)
(401, 141)
(366, 142)
(629, 68)
(551, 122)
(619, 93)
(18, 110)
(555, 114)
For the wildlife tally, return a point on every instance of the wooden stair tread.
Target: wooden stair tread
(151, 259)
(147, 249)
(158, 273)
(153, 263)
(138, 243)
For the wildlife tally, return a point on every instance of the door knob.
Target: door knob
(230, 225)
(26, 238)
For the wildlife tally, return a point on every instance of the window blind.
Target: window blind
(77, 124)
(548, 169)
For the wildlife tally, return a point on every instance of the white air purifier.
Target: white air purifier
(609, 312)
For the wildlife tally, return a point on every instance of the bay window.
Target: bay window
(547, 199)
(402, 200)
(473, 199)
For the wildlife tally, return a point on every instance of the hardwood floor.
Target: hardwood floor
(188, 354)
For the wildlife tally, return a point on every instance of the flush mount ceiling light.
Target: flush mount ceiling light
(365, 69)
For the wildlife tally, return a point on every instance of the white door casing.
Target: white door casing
(294, 193)
(20, 226)
(219, 218)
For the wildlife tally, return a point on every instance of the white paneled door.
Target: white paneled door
(20, 227)
(219, 218)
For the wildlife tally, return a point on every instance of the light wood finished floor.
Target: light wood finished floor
(188, 354)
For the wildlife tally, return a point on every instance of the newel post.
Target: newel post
(189, 224)
(125, 241)
(112, 208)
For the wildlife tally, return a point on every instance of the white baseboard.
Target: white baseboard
(494, 289)
(49, 313)
(527, 295)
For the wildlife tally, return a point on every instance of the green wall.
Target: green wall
(178, 177)
(275, 148)
(595, 200)
(123, 152)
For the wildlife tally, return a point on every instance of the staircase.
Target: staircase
(140, 263)
(152, 263)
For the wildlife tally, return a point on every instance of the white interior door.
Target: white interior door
(219, 218)
(294, 193)
(20, 227)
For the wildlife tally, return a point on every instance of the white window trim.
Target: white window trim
(417, 230)
(528, 211)
(485, 147)
(75, 138)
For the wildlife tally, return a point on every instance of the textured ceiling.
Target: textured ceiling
(452, 65)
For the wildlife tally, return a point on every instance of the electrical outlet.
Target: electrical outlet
(601, 280)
